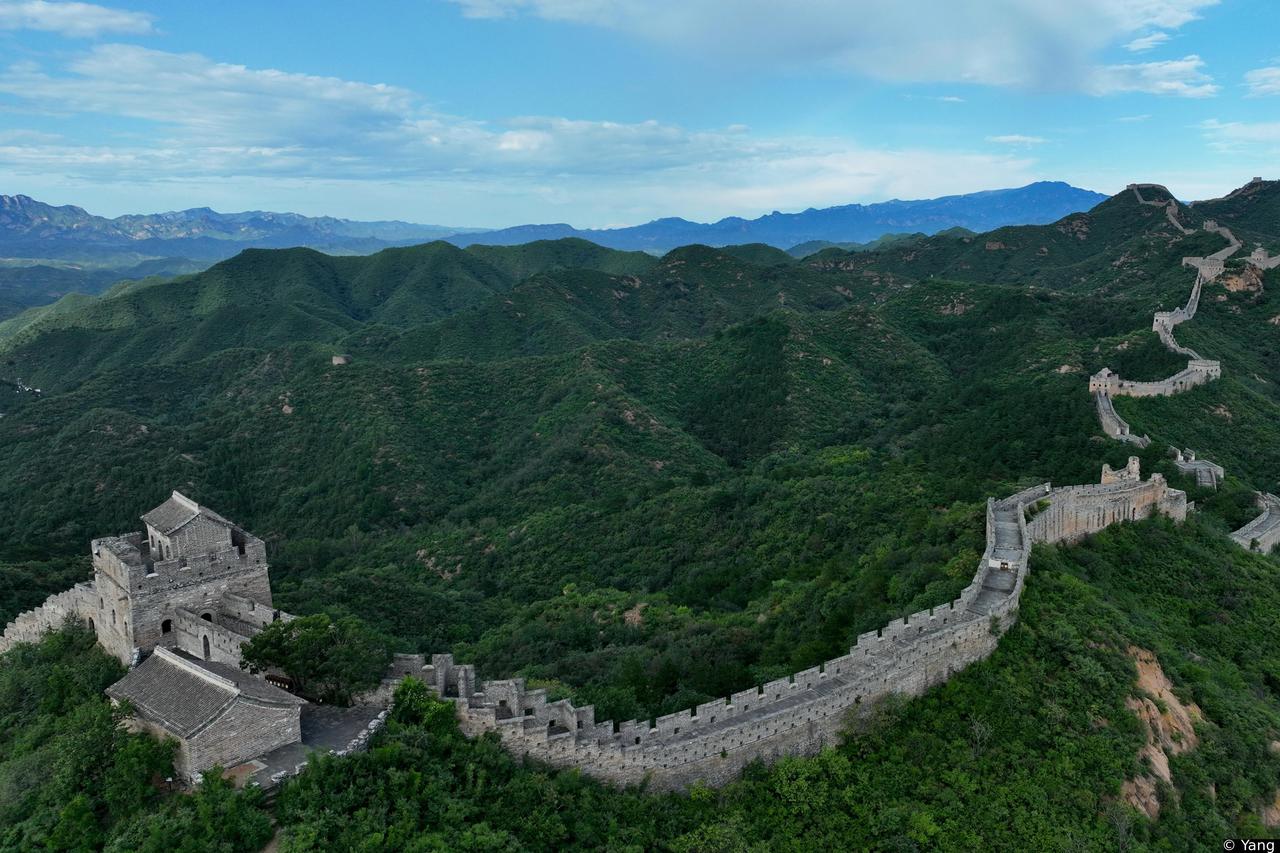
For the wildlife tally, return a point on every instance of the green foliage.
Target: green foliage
(646, 483)
(423, 786)
(1027, 750)
(71, 776)
(215, 817)
(328, 660)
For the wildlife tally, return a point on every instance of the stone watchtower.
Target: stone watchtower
(189, 560)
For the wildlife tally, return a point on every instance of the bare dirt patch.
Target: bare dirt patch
(1246, 281)
(1170, 728)
(955, 307)
(634, 617)
(1270, 814)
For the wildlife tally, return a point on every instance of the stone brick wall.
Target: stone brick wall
(191, 633)
(248, 729)
(1114, 425)
(201, 535)
(77, 603)
(139, 595)
(1105, 384)
(803, 712)
(1263, 533)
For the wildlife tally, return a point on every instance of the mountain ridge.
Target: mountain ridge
(29, 227)
(1038, 203)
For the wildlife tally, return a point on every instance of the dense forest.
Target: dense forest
(648, 482)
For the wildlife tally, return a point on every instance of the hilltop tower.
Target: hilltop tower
(190, 580)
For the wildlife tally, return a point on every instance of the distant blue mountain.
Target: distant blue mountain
(1035, 204)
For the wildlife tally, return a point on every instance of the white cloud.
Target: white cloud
(1263, 81)
(1134, 119)
(183, 119)
(1017, 139)
(1239, 136)
(1145, 43)
(1184, 78)
(80, 20)
(1030, 43)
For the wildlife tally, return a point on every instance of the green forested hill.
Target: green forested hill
(520, 262)
(1120, 248)
(1252, 212)
(646, 482)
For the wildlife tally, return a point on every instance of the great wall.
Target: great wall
(796, 715)
(1264, 531)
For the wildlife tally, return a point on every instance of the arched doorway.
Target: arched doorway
(206, 647)
(166, 626)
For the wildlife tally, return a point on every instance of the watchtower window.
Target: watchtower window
(208, 617)
(206, 648)
(166, 626)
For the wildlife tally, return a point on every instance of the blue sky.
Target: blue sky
(607, 112)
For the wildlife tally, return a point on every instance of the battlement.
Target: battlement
(1209, 268)
(129, 561)
(800, 713)
(1197, 372)
(1263, 533)
(1206, 473)
(1114, 425)
(1262, 260)
(74, 604)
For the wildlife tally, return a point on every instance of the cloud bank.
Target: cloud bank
(1043, 44)
(75, 20)
(199, 119)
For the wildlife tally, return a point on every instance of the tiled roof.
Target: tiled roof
(177, 511)
(183, 694)
(172, 514)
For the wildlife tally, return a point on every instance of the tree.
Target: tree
(328, 660)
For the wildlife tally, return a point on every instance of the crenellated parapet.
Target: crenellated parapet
(1260, 259)
(1263, 533)
(799, 714)
(75, 604)
(1106, 383)
(1206, 473)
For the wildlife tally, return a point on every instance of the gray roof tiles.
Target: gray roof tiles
(178, 511)
(183, 694)
(172, 514)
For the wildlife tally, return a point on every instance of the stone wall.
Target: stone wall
(201, 535)
(248, 729)
(801, 713)
(205, 638)
(138, 595)
(77, 603)
(1262, 261)
(1208, 268)
(1263, 533)
(1206, 473)
(1114, 425)
(1197, 372)
(1105, 384)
